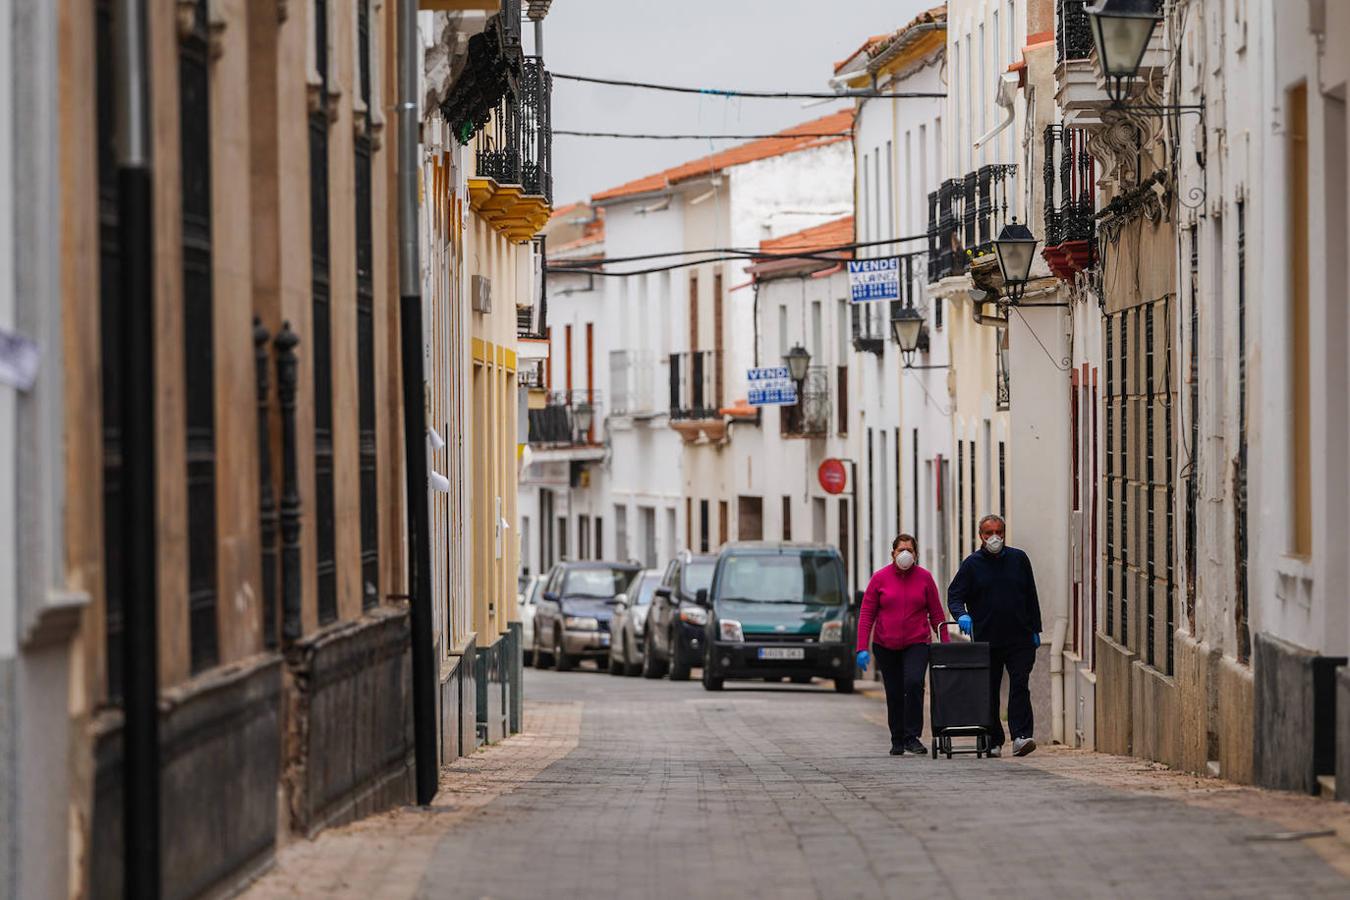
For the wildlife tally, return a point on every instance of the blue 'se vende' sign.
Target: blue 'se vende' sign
(874, 279)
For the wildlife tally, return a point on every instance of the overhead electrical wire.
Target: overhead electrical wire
(758, 95)
(755, 252)
(817, 255)
(702, 137)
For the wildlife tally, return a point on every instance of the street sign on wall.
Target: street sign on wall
(874, 279)
(833, 476)
(771, 386)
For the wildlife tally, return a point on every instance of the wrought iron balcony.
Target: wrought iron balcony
(695, 385)
(517, 146)
(964, 217)
(868, 327)
(560, 423)
(1073, 32)
(811, 415)
(1070, 195)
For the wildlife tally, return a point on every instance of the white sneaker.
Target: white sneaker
(1023, 746)
(995, 751)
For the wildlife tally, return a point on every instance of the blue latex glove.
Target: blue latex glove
(1035, 640)
(864, 659)
(964, 624)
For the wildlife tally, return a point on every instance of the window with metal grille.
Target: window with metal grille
(1244, 637)
(961, 497)
(321, 343)
(974, 513)
(365, 329)
(110, 309)
(1138, 479)
(199, 378)
(1192, 465)
(1002, 479)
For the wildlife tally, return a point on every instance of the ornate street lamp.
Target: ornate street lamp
(908, 329)
(797, 360)
(1121, 30)
(1015, 247)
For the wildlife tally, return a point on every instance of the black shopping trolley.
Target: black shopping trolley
(959, 696)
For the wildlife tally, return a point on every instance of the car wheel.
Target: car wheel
(843, 685)
(630, 668)
(711, 682)
(651, 666)
(542, 660)
(561, 661)
(679, 666)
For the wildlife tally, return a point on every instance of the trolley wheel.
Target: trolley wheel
(935, 745)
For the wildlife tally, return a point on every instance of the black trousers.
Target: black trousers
(1019, 661)
(902, 672)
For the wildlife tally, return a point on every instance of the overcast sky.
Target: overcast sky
(731, 44)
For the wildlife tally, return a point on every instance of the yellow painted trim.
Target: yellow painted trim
(927, 44)
(511, 359)
(480, 349)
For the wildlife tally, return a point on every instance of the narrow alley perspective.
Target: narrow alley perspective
(716, 449)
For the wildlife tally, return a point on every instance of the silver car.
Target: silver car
(628, 626)
(525, 601)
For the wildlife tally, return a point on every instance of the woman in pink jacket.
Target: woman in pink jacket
(900, 610)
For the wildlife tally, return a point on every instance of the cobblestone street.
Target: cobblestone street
(634, 788)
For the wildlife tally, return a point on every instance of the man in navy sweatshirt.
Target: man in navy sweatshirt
(994, 595)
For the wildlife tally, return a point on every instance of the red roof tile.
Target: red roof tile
(816, 238)
(791, 142)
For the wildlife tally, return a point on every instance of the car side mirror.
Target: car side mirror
(663, 593)
(621, 601)
(551, 596)
(701, 598)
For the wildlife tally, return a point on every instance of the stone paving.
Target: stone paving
(632, 788)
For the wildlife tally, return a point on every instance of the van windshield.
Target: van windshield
(814, 578)
(698, 575)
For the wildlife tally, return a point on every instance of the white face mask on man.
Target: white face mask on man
(994, 543)
(904, 560)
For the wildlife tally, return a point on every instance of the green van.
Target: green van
(778, 610)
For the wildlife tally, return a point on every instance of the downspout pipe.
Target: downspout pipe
(141, 869)
(414, 412)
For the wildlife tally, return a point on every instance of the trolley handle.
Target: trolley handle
(959, 636)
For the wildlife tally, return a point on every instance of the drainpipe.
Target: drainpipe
(140, 629)
(414, 412)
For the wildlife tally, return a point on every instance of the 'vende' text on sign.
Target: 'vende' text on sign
(771, 386)
(874, 279)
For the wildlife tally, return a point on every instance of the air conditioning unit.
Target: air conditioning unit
(482, 294)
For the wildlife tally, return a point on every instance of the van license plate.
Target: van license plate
(782, 653)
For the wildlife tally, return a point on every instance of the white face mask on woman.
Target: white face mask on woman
(904, 560)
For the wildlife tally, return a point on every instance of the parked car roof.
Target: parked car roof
(779, 546)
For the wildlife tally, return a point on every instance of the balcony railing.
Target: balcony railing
(1070, 200)
(1073, 32)
(869, 331)
(811, 414)
(694, 384)
(557, 425)
(632, 382)
(964, 217)
(517, 147)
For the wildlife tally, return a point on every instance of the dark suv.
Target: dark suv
(675, 625)
(572, 614)
(778, 610)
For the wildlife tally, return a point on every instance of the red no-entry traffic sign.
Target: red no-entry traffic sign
(833, 476)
